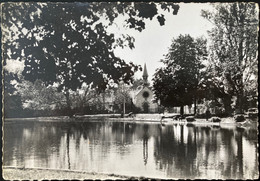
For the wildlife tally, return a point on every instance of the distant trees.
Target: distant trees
(123, 99)
(234, 51)
(27, 99)
(69, 44)
(136, 83)
(176, 84)
(37, 96)
(12, 98)
(82, 99)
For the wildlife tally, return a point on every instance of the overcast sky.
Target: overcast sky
(153, 42)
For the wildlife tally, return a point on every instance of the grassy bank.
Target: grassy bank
(11, 173)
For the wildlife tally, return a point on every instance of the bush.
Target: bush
(136, 110)
(190, 118)
(239, 118)
(200, 116)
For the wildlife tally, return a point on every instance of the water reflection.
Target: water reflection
(145, 142)
(170, 151)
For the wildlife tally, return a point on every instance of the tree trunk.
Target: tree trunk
(182, 110)
(124, 106)
(69, 110)
(240, 103)
(104, 101)
(227, 104)
(195, 105)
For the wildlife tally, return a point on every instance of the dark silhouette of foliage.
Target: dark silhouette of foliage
(68, 43)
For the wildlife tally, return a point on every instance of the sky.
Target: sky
(153, 42)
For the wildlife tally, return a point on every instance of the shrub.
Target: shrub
(215, 119)
(190, 118)
(239, 118)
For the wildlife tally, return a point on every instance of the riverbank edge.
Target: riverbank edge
(21, 173)
(109, 117)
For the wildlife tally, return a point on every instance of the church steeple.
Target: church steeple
(145, 75)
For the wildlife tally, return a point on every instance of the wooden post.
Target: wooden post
(124, 106)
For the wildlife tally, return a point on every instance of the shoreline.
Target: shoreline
(99, 117)
(20, 173)
(227, 121)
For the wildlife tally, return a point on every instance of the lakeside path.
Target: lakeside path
(12, 173)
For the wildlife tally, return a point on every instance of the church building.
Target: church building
(144, 97)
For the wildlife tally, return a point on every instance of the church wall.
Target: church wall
(142, 97)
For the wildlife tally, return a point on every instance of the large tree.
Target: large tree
(176, 84)
(69, 43)
(233, 52)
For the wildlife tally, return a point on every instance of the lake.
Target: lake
(134, 149)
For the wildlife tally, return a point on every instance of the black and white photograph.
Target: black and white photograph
(129, 90)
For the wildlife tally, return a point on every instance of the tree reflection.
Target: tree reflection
(182, 151)
(239, 159)
(190, 151)
(172, 154)
(145, 143)
(68, 147)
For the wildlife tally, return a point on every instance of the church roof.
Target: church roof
(145, 74)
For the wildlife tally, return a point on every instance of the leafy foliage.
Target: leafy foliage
(122, 96)
(233, 55)
(37, 96)
(12, 98)
(137, 83)
(69, 43)
(176, 84)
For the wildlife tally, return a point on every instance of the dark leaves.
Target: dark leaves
(161, 19)
(67, 43)
(146, 10)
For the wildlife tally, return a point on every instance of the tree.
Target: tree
(69, 44)
(233, 52)
(122, 97)
(211, 87)
(176, 84)
(136, 83)
(12, 98)
(82, 98)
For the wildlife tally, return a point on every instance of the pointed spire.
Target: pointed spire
(145, 75)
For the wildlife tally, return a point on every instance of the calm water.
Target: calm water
(136, 149)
